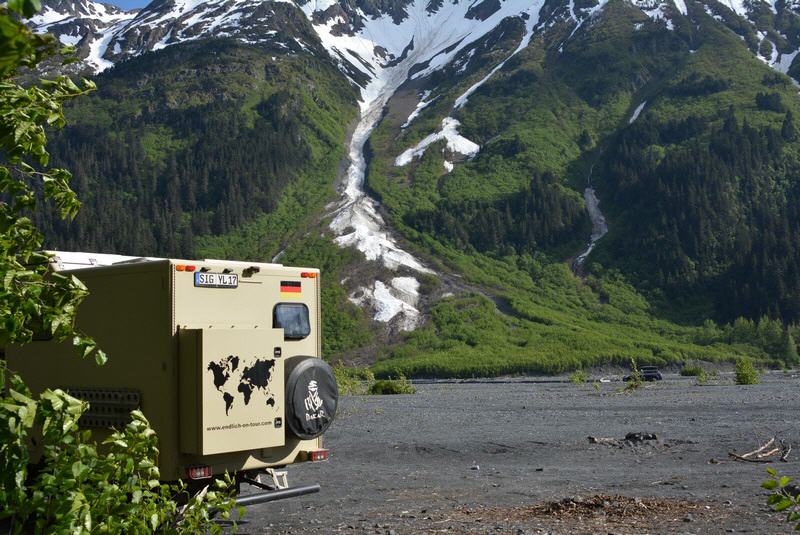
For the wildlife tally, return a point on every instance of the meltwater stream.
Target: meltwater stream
(599, 225)
(433, 38)
(357, 222)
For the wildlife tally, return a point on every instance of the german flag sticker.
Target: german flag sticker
(290, 288)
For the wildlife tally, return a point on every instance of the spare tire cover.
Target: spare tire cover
(311, 398)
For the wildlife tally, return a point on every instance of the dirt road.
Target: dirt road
(515, 458)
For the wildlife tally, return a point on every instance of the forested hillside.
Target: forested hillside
(697, 187)
(188, 143)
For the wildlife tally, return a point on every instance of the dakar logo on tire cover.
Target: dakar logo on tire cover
(314, 409)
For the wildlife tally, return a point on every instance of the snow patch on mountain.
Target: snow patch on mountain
(433, 36)
(406, 289)
(526, 39)
(83, 10)
(636, 112)
(48, 16)
(681, 6)
(70, 40)
(97, 49)
(784, 61)
(737, 6)
(455, 143)
(392, 303)
(421, 105)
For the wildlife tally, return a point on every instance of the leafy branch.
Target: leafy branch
(785, 497)
(76, 486)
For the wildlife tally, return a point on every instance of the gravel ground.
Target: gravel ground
(514, 457)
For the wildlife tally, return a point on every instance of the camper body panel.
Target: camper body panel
(162, 332)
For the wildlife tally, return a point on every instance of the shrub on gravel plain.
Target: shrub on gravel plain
(695, 370)
(578, 377)
(635, 380)
(692, 370)
(353, 381)
(746, 373)
(392, 386)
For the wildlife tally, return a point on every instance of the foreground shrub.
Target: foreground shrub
(353, 381)
(785, 497)
(78, 486)
(81, 487)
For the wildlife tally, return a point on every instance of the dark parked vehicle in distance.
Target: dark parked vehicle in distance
(648, 373)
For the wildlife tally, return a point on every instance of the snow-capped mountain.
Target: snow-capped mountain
(84, 24)
(366, 37)
(105, 35)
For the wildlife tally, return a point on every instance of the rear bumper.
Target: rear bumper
(274, 495)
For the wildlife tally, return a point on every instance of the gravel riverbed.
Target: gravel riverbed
(515, 457)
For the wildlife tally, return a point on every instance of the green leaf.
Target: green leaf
(770, 484)
(16, 6)
(77, 469)
(772, 472)
(774, 498)
(154, 521)
(30, 7)
(782, 505)
(784, 481)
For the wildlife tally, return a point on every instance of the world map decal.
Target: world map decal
(235, 377)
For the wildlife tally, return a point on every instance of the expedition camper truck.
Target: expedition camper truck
(221, 356)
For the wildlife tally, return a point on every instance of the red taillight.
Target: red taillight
(184, 267)
(190, 268)
(198, 472)
(319, 455)
(308, 275)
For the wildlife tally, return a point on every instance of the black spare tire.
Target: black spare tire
(311, 398)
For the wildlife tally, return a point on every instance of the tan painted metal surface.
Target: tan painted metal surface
(206, 361)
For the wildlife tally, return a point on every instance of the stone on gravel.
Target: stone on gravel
(638, 438)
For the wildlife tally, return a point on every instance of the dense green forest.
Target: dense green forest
(194, 142)
(540, 217)
(717, 215)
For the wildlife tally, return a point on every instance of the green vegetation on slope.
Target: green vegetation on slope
(704, 193)
(209, 139)
(564, 113)
(557, 324)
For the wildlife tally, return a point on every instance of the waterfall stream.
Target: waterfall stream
(599, 225)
